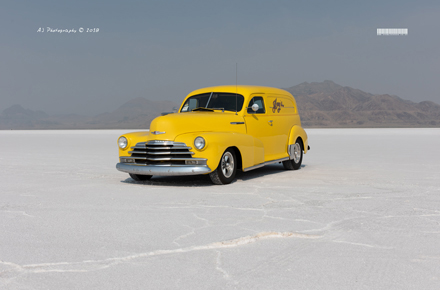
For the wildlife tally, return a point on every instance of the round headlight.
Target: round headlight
(122, 142)
(199, 143)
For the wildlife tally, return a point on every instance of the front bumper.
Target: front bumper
(163, 170)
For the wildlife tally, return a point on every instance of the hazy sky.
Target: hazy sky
(165, 49)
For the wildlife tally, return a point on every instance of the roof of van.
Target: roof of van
(241, 89)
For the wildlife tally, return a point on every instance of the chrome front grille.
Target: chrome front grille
(165, 153)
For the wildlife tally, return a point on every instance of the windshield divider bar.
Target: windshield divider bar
(207, 103)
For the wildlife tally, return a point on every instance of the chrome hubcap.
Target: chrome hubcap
(296, 153)
(227, 164)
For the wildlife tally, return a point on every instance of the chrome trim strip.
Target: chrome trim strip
(162, 148)
(167, 153)
(134, 147)
(237, 123)
(157, 142)
(159, 152)
(158, 132)
(265, 163)
(122, 159)
(168, 148)
(175, 159)
(163, 170)
(160, 142)
(143, 158)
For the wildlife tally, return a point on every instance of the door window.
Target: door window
(260, 102)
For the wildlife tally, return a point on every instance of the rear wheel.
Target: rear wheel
(226, 169)
(139, 177)
(296, 155)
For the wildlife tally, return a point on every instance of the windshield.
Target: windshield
(219, 101)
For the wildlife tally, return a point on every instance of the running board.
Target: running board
(265, 163)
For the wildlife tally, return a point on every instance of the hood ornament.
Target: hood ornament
(157, 132)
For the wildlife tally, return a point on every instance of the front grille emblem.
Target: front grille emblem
(157, 132)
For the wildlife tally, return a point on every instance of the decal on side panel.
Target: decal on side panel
(277, 106)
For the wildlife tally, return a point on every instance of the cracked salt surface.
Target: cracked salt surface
(360, 214)
(93, 265)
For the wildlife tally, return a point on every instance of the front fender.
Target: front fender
(298, 131)
(218, 142)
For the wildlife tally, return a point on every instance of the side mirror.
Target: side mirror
(255, 107)
(175, 109)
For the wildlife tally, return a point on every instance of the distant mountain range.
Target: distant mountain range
(134, 114)
(321, 105)
(327, 104)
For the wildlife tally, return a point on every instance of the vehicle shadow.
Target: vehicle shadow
(204, 180)
(272, 169)
(183, 181)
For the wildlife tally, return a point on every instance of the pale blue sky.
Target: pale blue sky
(164, 49)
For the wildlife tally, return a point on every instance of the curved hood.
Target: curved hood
(180, 123)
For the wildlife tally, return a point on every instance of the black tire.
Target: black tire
(139, 177)
(226, 169)
(295, 162)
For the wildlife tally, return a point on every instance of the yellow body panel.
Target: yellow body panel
(133, 138)
(256, 137)
(218, 142)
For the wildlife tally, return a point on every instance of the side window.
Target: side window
(260, 102)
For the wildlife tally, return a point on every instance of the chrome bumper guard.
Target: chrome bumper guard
(163, 170)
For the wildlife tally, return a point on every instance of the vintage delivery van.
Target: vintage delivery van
(217, 131)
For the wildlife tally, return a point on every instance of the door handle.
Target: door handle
(270, 122)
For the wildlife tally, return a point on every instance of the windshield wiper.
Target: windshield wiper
(203, 109)
(208, 109)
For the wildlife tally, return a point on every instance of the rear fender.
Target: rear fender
(298, 132)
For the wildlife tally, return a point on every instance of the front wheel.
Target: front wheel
(226, 170)
(296, 155)
(139, 177)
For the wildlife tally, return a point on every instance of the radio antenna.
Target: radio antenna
(236, 77)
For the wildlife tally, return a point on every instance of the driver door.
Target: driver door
(259, 125)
